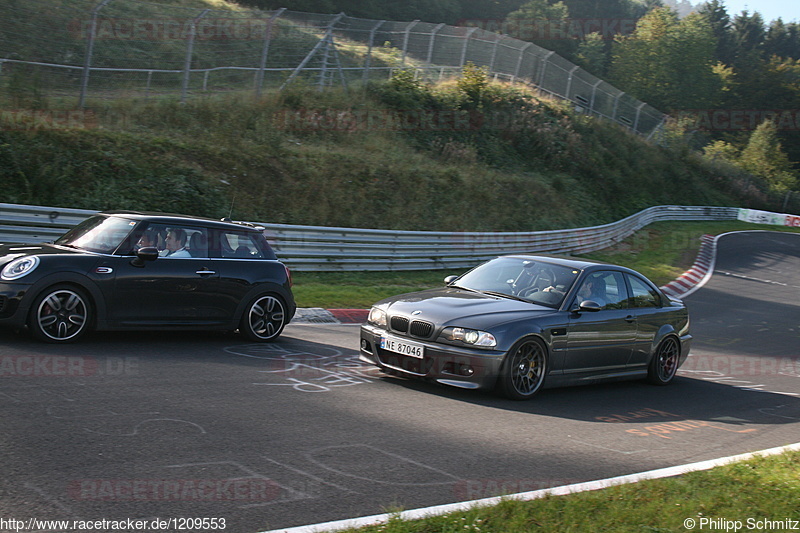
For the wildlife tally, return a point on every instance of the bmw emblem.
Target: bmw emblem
(417, 312)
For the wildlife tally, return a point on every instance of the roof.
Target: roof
(176, 218)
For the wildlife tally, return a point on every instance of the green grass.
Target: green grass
(661, 251)
(758, 488)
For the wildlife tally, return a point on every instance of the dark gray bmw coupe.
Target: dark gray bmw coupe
(521, 323)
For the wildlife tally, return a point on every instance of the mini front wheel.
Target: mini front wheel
(60, 314)
(264, 319)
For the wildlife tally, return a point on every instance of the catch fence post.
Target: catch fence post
(189, 50)
(87, 60)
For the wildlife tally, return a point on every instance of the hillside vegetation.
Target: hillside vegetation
(466, 155)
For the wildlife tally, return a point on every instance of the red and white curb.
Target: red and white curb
(699, 274)
(440, 510)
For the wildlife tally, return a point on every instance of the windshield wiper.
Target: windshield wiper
(505, 295)
(464, 288)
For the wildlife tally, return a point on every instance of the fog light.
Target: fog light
(466, 370)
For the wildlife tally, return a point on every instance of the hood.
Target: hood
(451, 306)
(9, 252)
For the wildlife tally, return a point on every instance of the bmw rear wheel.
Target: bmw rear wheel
(664, 364)
(60, 314)
(524, 370)
(265, 318)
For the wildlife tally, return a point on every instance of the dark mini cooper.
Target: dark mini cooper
(126, 270)
(520, 323)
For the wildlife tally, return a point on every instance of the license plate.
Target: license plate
(402, 346)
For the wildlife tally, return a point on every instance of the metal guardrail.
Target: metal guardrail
(315, 248)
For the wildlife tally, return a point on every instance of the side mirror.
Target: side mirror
(450, 279)
(147, 253)
(590, 305)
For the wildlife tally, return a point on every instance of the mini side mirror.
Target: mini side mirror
(450, 279)
(147, 253)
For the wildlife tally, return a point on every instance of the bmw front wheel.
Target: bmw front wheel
(60, 314)
(264, 319)
(524, 370)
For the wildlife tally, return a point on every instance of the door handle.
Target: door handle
(630, 318)
(205, 272)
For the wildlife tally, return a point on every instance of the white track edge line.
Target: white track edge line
(534, 495)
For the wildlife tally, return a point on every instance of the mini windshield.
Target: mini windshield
(516, 277)
(98, 234)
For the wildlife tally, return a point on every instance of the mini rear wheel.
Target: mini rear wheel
(60, 314)
(264, 319)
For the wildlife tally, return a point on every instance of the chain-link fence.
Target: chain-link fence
(90, 49)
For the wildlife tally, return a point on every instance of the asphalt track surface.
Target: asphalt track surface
(268, 436)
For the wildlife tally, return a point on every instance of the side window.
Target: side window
(606, 288)
(174, 241)
(642, 295)
(239, 245)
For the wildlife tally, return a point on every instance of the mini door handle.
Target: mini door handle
(205, 272)
(630, 318)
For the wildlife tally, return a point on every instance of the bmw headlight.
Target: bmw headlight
(472, 337)
(19, 267)
(377, 317)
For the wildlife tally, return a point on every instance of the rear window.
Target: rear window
(243, 245)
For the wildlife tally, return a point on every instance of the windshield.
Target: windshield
(515, 277)
(98, 234)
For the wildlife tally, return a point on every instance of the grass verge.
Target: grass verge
(661, 251)
(741, 496)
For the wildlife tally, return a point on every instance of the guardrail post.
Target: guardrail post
(189, 50)
(265, 50)
(87, 61)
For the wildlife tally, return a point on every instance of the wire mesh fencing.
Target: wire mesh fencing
(77, 50)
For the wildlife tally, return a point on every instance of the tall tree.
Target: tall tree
(716, 15)
(546, 24)
(668, 63)
(764, 156)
